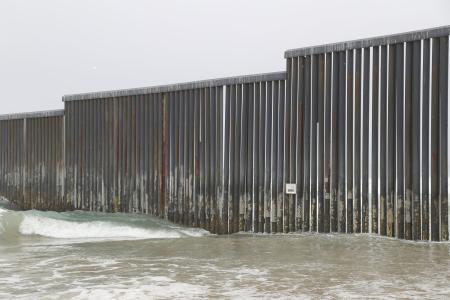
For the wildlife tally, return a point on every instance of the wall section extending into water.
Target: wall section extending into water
(162, 150)
(32, 160)
(358, 129)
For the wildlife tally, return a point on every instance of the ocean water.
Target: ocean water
(87, 255)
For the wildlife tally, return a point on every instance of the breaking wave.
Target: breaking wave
(89, 225)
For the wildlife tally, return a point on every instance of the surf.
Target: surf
(89, 226)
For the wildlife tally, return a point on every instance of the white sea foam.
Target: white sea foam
(2, 226)
(194, 232)
(158, 289)
(86, 226)
(54, 228)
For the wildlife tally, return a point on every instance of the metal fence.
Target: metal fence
(160, 150)
(351, 138)
(373, 136)
(32, 160)
(254, 156)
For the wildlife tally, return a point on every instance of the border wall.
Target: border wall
(32, 167)
(352, 138)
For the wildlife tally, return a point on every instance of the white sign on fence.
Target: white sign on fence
(291, 188)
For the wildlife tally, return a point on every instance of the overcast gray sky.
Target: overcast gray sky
(49, 48)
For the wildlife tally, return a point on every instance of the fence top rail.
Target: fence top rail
(370, 42)
(36, 114)
(179, 86)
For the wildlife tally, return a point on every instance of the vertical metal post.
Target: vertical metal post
(219, 159)
(334, 145)
(399, 109)
(365, 142)
(357, 149)
(299, 143)
(268, 159)
(287, 144)
(443, 135)
(341, 144)
(391, 152)
(239, 158)
(415, 124)
(375, 123)
(226, 169)
(274, 155)
(435, 171)
(281, 158)
(327, 145)
(263, 213)
(321, 137)
(306, 143)
(383, 140)
(314, 138)
(425, 157)
(249, 185)
(350, 117)
(408, 140)
(257, 170)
